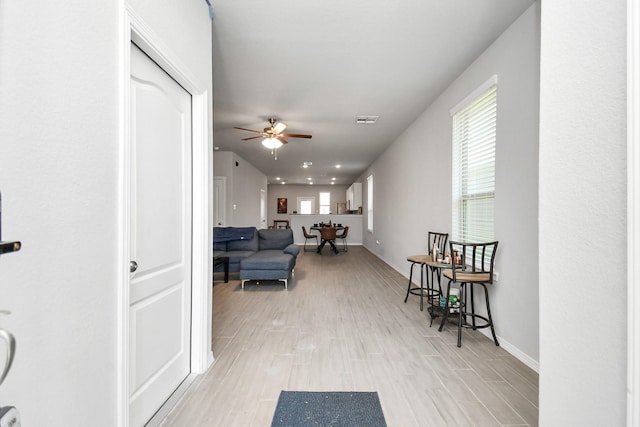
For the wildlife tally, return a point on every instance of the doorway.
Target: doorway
(219, 201)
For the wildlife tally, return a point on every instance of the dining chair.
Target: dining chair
(343, 237)
(328, 235)
(308, 236)
(472, 267)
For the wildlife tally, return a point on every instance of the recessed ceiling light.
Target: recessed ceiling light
(333, 179)
(332, 182)
(338, 166)
(311, 183)
(282, 183)
(277, 178)
(309, 179)
(306, 164)
(216, 148)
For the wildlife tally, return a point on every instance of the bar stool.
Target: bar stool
(477, 260)
(440, 242)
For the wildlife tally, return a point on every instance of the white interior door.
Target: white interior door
(219, 203)
(160, 287)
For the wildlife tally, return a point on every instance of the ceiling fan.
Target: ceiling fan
(272, 137)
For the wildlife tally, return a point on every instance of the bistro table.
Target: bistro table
(433, 295)
(435, 304)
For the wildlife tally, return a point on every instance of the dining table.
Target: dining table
(324, 241)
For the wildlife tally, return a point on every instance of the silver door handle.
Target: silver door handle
(133, 266)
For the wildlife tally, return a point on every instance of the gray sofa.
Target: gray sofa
(257, 254)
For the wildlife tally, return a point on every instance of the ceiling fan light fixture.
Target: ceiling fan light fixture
(272, 143)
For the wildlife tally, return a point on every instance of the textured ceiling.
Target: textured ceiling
(316, 65)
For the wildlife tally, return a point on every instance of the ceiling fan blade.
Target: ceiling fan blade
(252, 137)
(281, 139)
(296, 135)
(250, 130)
(279, 127)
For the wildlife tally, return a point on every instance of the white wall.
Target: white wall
(292, 191)
(60, 114)
(419, 163)
(582, 214)
(244, 183)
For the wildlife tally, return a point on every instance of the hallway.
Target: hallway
(343, 326)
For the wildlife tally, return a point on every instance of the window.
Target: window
(474, 165)
(370, 203)
(325, 203)
(306, 205)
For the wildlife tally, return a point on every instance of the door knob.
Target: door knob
(133, 266)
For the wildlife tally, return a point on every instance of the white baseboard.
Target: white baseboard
(513, 350)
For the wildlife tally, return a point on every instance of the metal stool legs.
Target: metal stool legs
(467, 301)
(433, 293)
(411, 290)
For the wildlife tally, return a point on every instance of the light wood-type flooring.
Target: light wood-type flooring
(342, 326)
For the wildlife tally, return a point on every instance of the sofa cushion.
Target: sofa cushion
(292, 249)
(244, 245)
(275, 238)
(219, 246)
(268, 260)
(222, 235)
(236, 256)
(227, 234)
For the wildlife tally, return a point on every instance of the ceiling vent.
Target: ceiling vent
(366, 120)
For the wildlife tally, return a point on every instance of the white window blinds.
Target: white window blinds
(474, 165)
